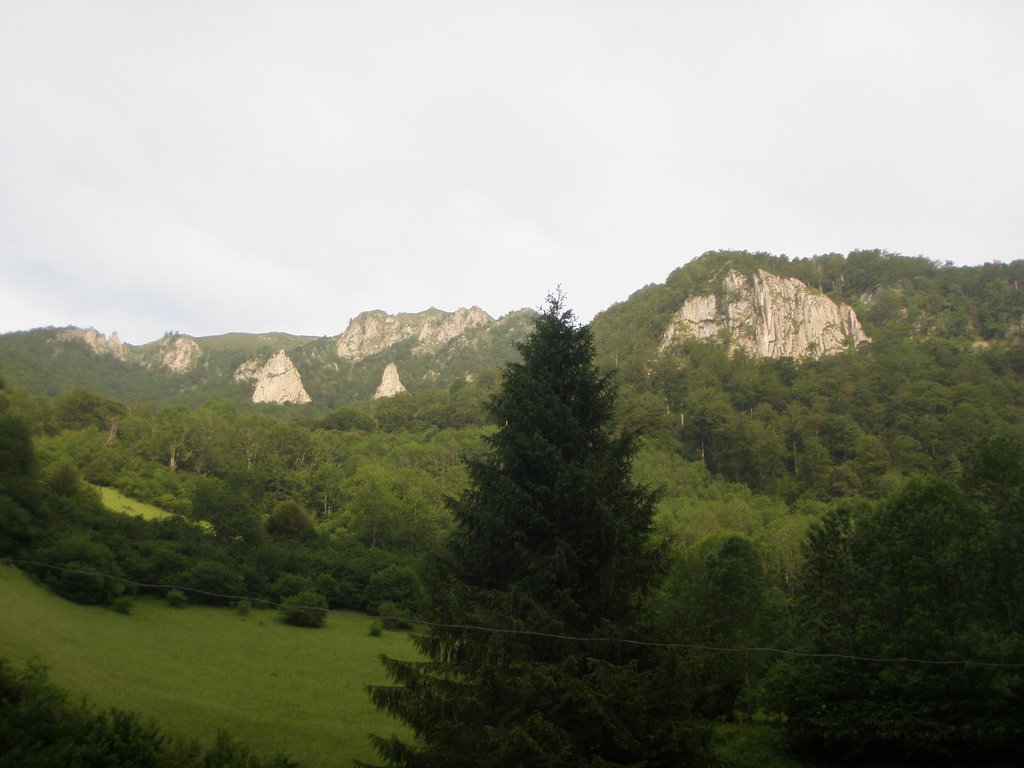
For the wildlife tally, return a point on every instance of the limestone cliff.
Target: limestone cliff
(767, 316)
(96, 341)
(178, 354)
(247, 371)
(390, 384)
(374, 331)
(277, 380)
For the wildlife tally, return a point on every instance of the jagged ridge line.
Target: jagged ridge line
(536, 633)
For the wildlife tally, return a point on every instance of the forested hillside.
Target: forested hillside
(942, 369)
(184, 370)
(860, 514)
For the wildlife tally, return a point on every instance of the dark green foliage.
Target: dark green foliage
(211, 582)
(17, 457)
(84, 569)
(552, 535)
(228, 507)
(288, 521)
(289, 585)
(913, 578)
(78, 408)
(18, 492)
(994, 475)
(305, 609)
(64, 480)
(718, 596)
(400, 587)
(347, 419)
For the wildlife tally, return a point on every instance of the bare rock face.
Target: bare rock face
(768, 316)
(390, 384)
(247, 371)
(96, 341)
(178, 353)
(277, 380)
(374, 331)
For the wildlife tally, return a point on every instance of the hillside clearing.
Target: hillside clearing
(198, 670)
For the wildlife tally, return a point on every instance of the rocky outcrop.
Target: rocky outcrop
(374, 331)
(767, 316)
(277, 380)
(390, 384)
(178, 354)
(247, 371)
(96, 341)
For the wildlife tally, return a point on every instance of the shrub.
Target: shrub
(176, 598)
(306, 609)
(289, 585)
(288, 521)
(391, 614)
(214, 581)
(83, 569)
(122, 604)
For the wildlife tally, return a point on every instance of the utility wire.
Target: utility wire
(546, 635)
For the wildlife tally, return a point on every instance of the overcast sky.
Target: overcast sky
(215, 166)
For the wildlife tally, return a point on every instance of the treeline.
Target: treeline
(341, 510)
(904, 621)
(847, 425)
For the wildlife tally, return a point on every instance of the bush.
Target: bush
(122, 604)
(306, 609)
(83, 569)
(391, 614)
(176, 598)
(215, 582)
(289, 585)
(288, 521)
(397, 585)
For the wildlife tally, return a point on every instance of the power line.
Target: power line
(546, 635)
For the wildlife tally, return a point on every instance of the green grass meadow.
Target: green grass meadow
(198, 670)
(116, 501)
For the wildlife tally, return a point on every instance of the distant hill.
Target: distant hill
(755, 304)
(430, 349)
(875, 295)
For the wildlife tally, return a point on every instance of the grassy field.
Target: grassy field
(198, 670)
(116, 501)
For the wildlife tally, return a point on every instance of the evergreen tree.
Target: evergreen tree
(551, 548)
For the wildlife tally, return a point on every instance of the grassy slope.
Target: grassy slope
(198, 670)
(116, 501)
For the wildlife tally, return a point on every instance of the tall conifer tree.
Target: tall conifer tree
(552, 548)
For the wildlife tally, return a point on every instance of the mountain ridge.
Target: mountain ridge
(755, 303)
